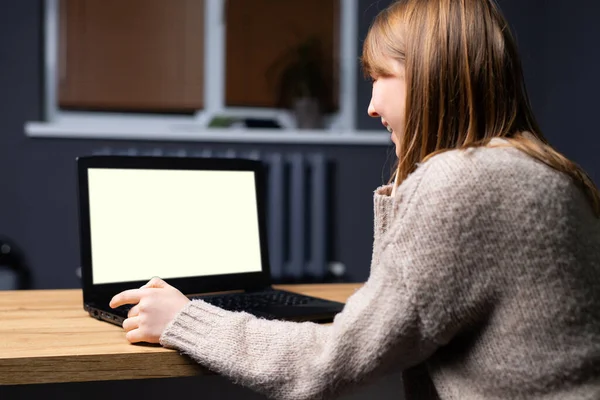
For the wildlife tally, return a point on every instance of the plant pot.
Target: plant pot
(307, 112)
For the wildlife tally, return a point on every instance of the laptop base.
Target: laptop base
(308, 308)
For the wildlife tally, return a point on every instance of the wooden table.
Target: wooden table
(47, 337)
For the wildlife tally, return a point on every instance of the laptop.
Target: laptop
(197, 223)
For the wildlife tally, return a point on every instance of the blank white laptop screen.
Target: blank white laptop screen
(172, 224)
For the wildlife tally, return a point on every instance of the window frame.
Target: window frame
(340, 126)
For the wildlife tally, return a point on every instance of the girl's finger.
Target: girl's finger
(135, 336)
(131, 323)
(134, 311)
(132, 296)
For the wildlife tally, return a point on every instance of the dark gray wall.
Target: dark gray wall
(367, 11)
(570, 66)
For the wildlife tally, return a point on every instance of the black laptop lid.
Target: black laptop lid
(198, 223)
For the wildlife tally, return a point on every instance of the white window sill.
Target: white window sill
(190, 132)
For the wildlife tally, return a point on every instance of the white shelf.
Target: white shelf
(188, 132)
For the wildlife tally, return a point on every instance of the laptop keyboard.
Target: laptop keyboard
(250, 301)
(244, 301)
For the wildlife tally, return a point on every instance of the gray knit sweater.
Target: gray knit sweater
(484, 284)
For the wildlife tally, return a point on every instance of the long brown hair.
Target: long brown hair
(464, 83)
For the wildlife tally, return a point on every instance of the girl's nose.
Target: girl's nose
(371, 110)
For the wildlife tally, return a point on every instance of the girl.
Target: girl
(485, 275)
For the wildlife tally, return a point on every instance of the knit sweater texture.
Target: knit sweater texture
(484, 284)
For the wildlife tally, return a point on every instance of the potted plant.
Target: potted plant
(302, 84)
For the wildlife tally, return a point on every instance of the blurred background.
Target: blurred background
(277, 80)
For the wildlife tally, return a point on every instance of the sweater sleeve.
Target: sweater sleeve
(411, 304)
(287, 360)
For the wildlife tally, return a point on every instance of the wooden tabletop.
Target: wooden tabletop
(47, 337)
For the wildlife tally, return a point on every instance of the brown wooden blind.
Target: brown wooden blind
(136, 55)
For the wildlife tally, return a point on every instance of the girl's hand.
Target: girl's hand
(156, 304)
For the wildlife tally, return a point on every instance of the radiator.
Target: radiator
(297, 204)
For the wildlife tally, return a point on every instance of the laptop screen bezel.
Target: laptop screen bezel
(189, 285)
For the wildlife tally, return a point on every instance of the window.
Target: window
(188, 65)
(134, 55)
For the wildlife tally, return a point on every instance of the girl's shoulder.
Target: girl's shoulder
(494, 170)
(497, 161)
